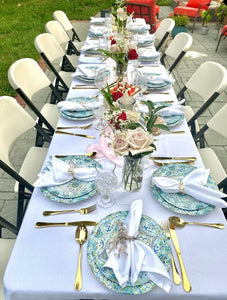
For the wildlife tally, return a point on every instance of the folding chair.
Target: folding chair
(56, 29)
(15, 121)
(193, 9)
(28, 79)
(51, 52)
(218, 124)
(163, 31)
(62, 18)
(177, 49)
(208, 81)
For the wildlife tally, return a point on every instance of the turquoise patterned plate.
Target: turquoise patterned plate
(78, 115)
(152, 86)
(74, 190)
(148, 58)
(149, 232)
(144, 43)
(180, 203)
(173, 120)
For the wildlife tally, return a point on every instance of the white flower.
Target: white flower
(139, 139)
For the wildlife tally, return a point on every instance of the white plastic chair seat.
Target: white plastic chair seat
(212, 162)
(6, 246)
(188, 114)
(78, 45)
(181, 42)
(66, 76)
(32, 164)
(165, 26)
(50, 112)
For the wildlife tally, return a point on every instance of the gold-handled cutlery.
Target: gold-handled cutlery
(83, 211)
(159, 164)
(70, 127)
(181, 223)
(174, 132)
(90, 154)
(190, 158)
(76, 134)
(173, 235)
(176, 276)
(85, 87)
(76, 223)
(81, 237)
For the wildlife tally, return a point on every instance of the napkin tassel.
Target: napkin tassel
(70, 170)
(120, 239)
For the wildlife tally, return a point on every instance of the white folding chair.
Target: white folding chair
(15, 121)
(163, 31)
(28, 79)
(177, 49)
(62, 18)
(56, 29)
(208, 81)
(218, 124)
(52, 53)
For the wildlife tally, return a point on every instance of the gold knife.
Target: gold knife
(192, 158)
(186, 283)
(76, 223)
(76, 134)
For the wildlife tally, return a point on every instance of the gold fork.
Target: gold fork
(82, 211)
(176, 276)
(160, 164)
(81, 127)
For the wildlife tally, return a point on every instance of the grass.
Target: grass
(21, 21)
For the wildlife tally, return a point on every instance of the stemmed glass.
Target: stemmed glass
(105, 183)
(141, 81)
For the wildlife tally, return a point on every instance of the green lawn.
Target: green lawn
(21, 21)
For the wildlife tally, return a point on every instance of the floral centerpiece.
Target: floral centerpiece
(181, 23)
(121, 12)
(130, 139)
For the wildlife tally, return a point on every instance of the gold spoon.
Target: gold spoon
(181, 223)
(81, 237)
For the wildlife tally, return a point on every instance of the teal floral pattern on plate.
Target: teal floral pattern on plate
(180, 203)
(78, 115)
(150, 233)
(74, 190)
(153, 86)
(173, 120)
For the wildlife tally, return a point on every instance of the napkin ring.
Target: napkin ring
(70, 170)
(181, 187)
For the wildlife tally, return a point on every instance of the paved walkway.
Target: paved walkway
(203, 49)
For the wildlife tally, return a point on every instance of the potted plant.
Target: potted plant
(206, 17)
(181, 24)
(221, 13)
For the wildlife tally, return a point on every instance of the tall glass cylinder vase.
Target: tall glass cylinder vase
(132, 174)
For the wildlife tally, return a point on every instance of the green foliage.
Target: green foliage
(180, 20)
(206, 17)
(21, 21)
(164, 2)
(221, 12)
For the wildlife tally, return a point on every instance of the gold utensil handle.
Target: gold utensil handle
(78, 282)
(46, 224)
(56, 212)
(76, 134)
(76, 223)
(214, 225)
(186, 283)
(176, 131)
(176, 276)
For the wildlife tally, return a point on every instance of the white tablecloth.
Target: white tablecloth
(43, 263)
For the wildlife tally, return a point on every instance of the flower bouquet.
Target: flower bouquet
(121, 12)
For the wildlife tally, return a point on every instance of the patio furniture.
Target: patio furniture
(223, 35)
(163, 31)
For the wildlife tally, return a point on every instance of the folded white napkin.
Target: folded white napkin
(90, 73)
(140, 256)
(149, 53)
(160, 79)
(75, 106)
(97, 30)
(90, 60)
(60, 172)
(97, 20)
(89, 47)
(171, 111)
(143, 39)
(194, 185)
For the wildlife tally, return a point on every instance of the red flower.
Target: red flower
(116, 120)
(130, 10)
(113, 41)
(132, 54)
(116, 95)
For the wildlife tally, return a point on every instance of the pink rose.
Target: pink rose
(120, 144)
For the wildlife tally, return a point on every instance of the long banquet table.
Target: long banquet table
(43, 262)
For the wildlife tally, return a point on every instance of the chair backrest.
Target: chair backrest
(197, 3)
(47, 44)
(56, 29)
(14, 121)
(61, 17)
(209, 78)
(25, 74)
(181, 43)
(218, 122)
(166, 26)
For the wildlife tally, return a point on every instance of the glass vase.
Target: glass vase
(121, 70)
(132, 174)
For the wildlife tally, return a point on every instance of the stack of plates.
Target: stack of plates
(98, 21)
(148, 56)
(181, 203)
(74, 190)
(144, 43)
(79, 115)
(149, 232)
(157, 85)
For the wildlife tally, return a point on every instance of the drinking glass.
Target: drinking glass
(98, 113)
(141, 81)
(105, 183)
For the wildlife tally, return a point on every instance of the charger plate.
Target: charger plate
(181, 203)
(150, 233)
(74, 190)
(172, 121)
(161, 85)
(144, 43)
